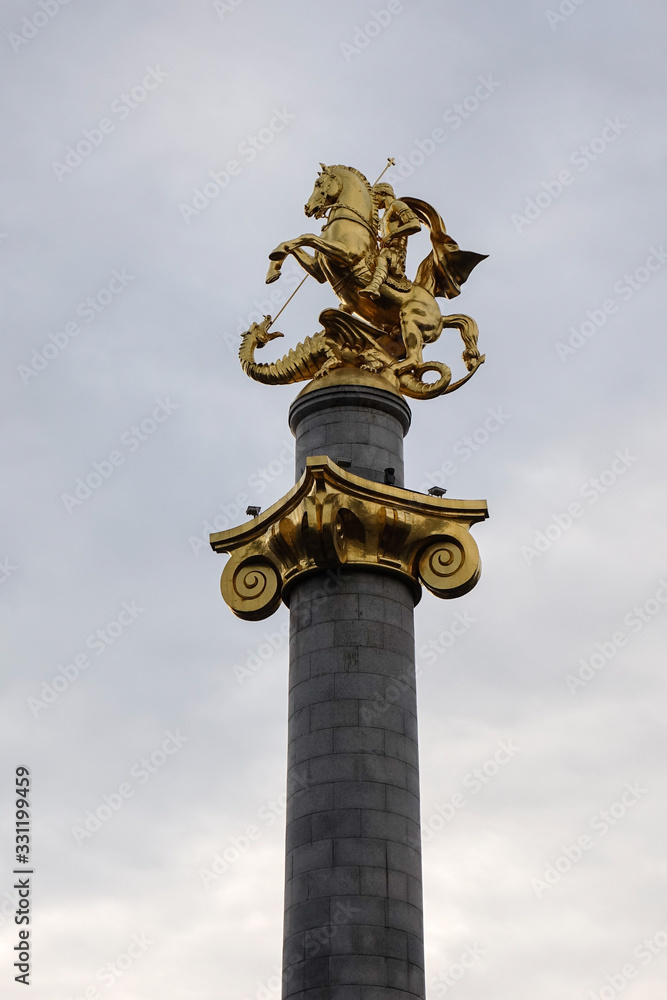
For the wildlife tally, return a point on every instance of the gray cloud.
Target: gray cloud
(164, 334)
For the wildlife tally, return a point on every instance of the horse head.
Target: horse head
(325, 193)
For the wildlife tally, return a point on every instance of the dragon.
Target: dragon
(346, 341)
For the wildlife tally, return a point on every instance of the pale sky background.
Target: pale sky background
(167, 331)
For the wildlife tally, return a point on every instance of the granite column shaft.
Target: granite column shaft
(353, 897)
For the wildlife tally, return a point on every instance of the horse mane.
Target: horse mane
(375, 221)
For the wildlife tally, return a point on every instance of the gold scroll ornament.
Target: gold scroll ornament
(332, 519)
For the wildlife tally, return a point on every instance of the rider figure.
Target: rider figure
(398, 222)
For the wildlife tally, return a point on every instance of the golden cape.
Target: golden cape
(447, 267)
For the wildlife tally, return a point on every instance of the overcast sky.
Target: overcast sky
(128, 272)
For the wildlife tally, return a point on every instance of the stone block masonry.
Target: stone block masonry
(360, 423)
(353, 888)
(353, 884)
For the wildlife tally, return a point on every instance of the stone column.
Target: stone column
(353, 898)
(361, 423)
(348, 549)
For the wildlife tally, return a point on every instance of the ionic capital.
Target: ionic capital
(333, 519)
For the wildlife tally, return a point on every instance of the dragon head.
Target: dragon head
(260, 334)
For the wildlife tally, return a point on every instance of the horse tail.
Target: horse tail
(469, 331)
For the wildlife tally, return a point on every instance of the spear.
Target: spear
(285, 304)
(390, 163)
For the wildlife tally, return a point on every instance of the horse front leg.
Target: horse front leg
(310, 264)
(289, 246)
(274, 271)
(336, 252)
(277, 258)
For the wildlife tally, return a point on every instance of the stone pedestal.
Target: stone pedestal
(353, 892)
(363, 424)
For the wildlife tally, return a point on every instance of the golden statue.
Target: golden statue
(384, 318)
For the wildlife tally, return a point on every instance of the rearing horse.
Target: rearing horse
(345, 256)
